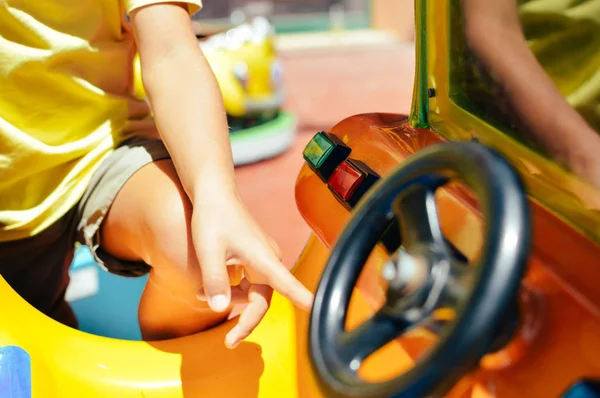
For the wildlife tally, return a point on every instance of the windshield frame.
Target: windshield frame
(559, 191)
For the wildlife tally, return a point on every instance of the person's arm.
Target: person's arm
(185, 98)
(190, 115)
(493, 31)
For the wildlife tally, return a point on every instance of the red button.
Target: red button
(345, 179)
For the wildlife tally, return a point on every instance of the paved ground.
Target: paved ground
(323, 88)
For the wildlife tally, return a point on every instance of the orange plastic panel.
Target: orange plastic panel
(558, 341)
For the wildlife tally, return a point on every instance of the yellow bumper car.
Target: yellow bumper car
(250, 75)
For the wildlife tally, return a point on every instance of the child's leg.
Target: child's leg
(135, 218)
(149, 221)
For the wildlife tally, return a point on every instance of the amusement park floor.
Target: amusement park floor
(323, 86)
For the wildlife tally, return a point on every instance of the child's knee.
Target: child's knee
(168, 238)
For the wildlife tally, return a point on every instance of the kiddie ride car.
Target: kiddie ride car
(449, 258)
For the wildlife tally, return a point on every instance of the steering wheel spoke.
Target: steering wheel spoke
(416, 211)
(460, 282)
(438, 319)
(359, 343)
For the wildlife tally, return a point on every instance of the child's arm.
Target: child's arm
(186, 100)
(190, 116)
(493, 30)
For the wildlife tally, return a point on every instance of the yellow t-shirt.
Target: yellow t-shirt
(66, 84)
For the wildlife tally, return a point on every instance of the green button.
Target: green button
(317, 150)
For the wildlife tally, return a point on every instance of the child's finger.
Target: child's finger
(239, 293)
(284, 282)
(215, 279)
(259, 297)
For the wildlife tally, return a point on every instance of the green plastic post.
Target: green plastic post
(420, 100)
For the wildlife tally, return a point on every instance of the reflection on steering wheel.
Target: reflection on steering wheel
(481, 293)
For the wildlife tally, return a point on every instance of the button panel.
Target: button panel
(347, 179)
(324, 153)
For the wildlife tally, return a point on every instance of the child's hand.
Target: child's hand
(225, 234)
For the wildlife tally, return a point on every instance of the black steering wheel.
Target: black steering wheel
(480, 293)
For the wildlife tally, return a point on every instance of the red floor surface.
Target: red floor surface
(323, 88)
